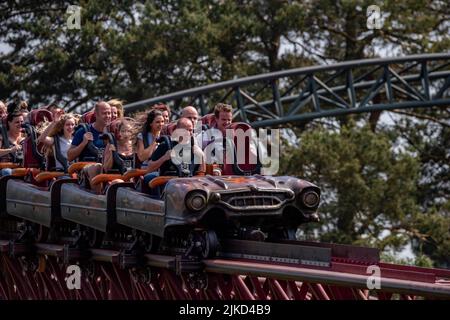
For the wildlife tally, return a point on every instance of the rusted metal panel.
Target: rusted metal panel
(238, 197)
(3, 184)
(83, 207)
(138, 211)
(29, 202)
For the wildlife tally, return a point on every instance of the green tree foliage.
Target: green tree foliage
(337, 30)
(420, 260)
(50, 62)
(368, 186)
(386, 189)
(139, 49)
(427, 132)
(136, 49)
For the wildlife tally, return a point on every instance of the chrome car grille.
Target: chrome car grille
(255, 200)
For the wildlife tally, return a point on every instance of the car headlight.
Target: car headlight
(195, 201)
(310, 199)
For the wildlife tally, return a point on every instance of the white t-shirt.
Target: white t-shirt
(64, 145)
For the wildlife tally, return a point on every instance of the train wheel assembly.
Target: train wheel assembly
(209, 244)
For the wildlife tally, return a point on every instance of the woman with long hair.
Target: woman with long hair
(11, 139)
(122, 129)
(119, 154)
(147, 138)
(147, 141)
(57, 137)
(165, 111)
(116, 109)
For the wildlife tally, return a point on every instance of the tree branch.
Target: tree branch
(420, 116)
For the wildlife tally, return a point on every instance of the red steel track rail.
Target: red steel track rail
(108, 274)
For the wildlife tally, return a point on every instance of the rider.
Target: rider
(58, 137)
(11, 141)
(165, 110)
(54, 109)
(82, 137)
(147, 140)
(188, 112)
(161, 158)
(82, 148)
(123, 146)
(116, 109)
(223, 114)
(223, 117)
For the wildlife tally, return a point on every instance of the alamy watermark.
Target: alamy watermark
(235, 146)
(73, 279)
(74, 19)
(374, 280)
(374, 21)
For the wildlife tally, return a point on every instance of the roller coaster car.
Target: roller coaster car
(192, 212)
(201, 209)
(28, 193)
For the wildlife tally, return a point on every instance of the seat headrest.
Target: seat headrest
(209, 119)
(170, 128)
(88, 117)
(239, 125)
(38, 116)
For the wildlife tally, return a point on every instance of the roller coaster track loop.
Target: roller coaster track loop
(303, 94)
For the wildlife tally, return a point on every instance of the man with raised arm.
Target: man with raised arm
(82, 138)
(80, 147)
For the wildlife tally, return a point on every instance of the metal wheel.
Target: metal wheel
(197, 280)
(210, 244)
(40, 232)
(151, 243)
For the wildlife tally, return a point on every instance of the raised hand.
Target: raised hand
(88, 137)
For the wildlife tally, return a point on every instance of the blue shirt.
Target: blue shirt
(78, 138)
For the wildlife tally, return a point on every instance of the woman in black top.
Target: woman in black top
(122, 130)
(11, 139)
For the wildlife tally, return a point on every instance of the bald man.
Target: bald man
(82, 138)
(188, 112)
(161, 158)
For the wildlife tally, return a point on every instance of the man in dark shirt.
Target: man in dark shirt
(82, 138)
(78, 148)
(161, 158)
